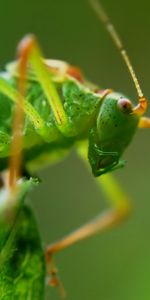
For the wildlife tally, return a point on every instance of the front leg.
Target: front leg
(120, 208)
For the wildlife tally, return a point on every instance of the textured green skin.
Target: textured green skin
(22, 262)
(80, 107)
(107, 128)
(109, 131)
(113, 132)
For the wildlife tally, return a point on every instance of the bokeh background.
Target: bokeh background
(116, 264)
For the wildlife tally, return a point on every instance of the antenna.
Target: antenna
(102, 15)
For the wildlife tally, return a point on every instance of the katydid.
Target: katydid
(55, 109)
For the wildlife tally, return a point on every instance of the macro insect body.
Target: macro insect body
(47, 107)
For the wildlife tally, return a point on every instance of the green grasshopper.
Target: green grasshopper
(54, 108)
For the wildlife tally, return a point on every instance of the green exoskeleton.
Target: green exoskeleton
(54, 108)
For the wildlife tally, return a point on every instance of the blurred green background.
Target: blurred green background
(116, 264)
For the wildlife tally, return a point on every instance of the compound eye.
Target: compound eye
(125, 105)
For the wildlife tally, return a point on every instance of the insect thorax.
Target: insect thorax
(80, 105)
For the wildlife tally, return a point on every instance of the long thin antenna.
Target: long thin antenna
(98, 8)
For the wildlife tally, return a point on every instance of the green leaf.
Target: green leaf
(22, 262)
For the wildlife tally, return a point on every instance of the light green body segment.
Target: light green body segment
(90, 116)
(80, 106)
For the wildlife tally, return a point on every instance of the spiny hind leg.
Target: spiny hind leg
(29, 51)
(36, 120)
(13, 147)
(120, 208)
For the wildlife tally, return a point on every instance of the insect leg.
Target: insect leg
(13, 173)
(105, 220)
(21, 248)
(30, 112)
(29, 51)
(144, 122)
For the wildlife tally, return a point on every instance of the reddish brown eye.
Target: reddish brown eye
(125, 105)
